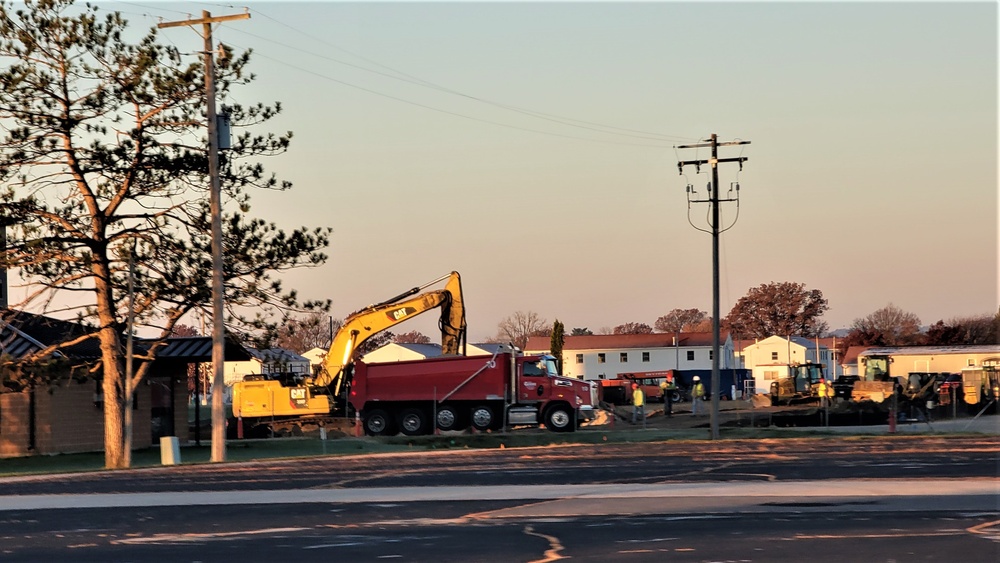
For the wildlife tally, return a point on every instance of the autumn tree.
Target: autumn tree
(785, 308)
(412, 337)
(861, 337)
(303, 333)
(682, 320)
(975, 330)
(888, 326)
(103, 162)
(183, 330)
(556, 342)
(521, 325)
(633, 328)
(374, 342)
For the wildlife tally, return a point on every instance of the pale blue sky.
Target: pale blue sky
(872, 172)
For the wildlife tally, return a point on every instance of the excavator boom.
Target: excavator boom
(362, 325)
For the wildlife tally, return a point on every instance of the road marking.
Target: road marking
(551, 554)
(186, 538)
(988, 530)
(902, 534)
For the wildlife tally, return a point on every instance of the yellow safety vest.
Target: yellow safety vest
(638, 398)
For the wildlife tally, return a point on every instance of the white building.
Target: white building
(768, 359)
(271, 360)
(316, 356)
(608, 356)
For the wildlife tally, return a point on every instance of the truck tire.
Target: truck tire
(559, 419)
(482, 417)
(448, 418)
(413, 422)
(378, 423)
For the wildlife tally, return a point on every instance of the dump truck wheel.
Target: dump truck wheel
(559, 419)
(413, 422)
(482, 418)
(378, 423)
(448, 418)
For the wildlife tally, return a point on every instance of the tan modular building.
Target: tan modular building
(903, 360)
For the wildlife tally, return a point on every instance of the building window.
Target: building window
(645, 356)
(822, 355)
(770, 375)
(690, 355)
(623, 357)
(600, 358)
(774, 356)
(579, 358)
(972, 362)
(711, 354)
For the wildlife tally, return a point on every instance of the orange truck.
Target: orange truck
(618, 391)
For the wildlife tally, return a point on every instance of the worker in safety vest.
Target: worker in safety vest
(638, 403)
(824, 391)
(667, 387)
(697, 394)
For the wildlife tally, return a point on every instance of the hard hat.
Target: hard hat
(696, 378)
(635, 385)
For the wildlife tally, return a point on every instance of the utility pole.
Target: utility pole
(714, 201)
(218, 324)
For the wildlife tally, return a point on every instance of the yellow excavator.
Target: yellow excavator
(258, 399)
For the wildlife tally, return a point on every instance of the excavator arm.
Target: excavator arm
(362, 325)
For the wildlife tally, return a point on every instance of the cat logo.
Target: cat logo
(400, 314)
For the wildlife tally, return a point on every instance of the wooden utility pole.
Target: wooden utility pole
(218, 324)
(713, 200)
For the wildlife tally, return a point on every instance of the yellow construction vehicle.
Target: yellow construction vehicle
(258, 399)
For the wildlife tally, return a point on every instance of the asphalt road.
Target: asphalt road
(647, 462)
(914, 498)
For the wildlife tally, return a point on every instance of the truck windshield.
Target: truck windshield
(550, 366)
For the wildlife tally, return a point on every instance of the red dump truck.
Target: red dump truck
(456, 392)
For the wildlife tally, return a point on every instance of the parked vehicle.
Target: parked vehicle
(877, 384)
(458, 392)
(982, 385)
(843, 386)
(799, 387)
(619, 391)
(315, 399)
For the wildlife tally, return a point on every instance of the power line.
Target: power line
(404, 77)
(449, 112)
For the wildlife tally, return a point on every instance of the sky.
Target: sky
(532, 148)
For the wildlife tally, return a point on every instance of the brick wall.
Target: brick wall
(13, 424)
(66, 420)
